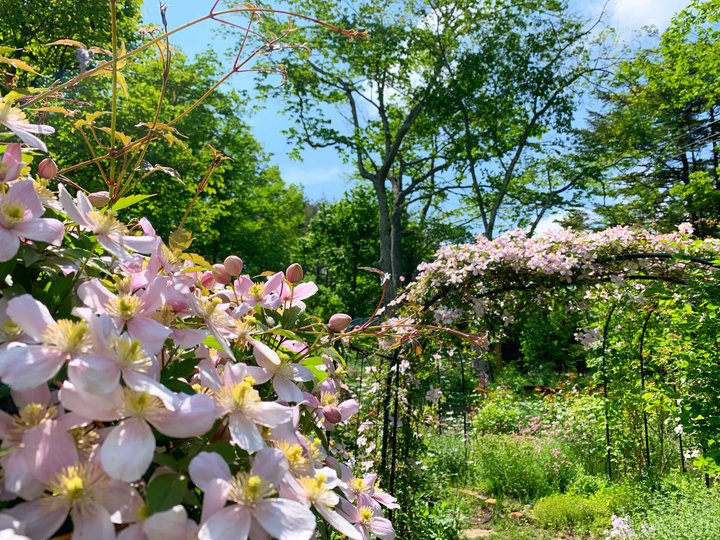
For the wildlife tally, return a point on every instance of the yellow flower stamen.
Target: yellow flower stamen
(124, 306)
(249, 488)
(106, 223)
(69, 336)
(12, 213)
(366, 514)
(79, 486)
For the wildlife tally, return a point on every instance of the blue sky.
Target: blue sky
(322, 173)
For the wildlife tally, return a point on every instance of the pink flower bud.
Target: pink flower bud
(207, 280)
(47, 169)
(99, 198)
(294, 273)
(233, 264)
(339, 322)
(332, 414)
(220, 274)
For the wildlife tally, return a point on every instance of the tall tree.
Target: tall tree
(658, 132)
(342, 239)
(441, 97)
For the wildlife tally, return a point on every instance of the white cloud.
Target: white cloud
(629, 15)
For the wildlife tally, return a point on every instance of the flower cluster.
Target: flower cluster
(139, 377)
(483, 280)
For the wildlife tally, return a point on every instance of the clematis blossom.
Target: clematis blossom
(368, 521)
(128, 450)
(113, 354)
(25, 366)
(36, 442)
(132, 310)
(317, 490)
(110, 233)
(11, 163)
(283, 372)
(15, 120)
(240, 402)
(20, 211)
(94, 501)
(252, 494)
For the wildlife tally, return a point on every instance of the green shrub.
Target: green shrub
(681, 510)
(567, 512)
(446, 460)
(526, 468)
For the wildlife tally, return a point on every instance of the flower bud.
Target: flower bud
(294, 273)
(47, 169)
(332, 414)
(233, 264)
(99, 198)
(339, 322)
(220, 274)
(207, 280)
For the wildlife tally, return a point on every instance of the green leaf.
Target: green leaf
(125, 202)
(213, 343)
(166, 491)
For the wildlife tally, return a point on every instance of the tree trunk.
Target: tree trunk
(385, 232)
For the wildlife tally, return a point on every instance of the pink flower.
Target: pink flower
(128, 449)
(11, 164)
(266, 294)
(134, 310)
(252, 494)
(26, 366)
(283, 372)
(110, 233)
(236, 398)
(20, 211)
(98, 371)
(366, 492)
(368, 520)
(318, 491)
(94, 501)
(36, 442)
(329, 406)
(14, 119)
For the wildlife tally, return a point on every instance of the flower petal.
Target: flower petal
(41, 520)
(206, 467)
(9, 244)
(285, 519)
(30, 315)
(245, 433)
(24, 368)
(231, 523)
(194, 416)
(23, 192)
(94, 374)
(286, 389)
(92, 522)
(151, 333)
(46, 230)
(270, 463)
(105, 408)
(128, 451)
(48, 448)
(168, 525)
(270, 414)
(338, 522)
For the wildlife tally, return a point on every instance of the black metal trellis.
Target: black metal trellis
(642, 384)
(605, 392)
